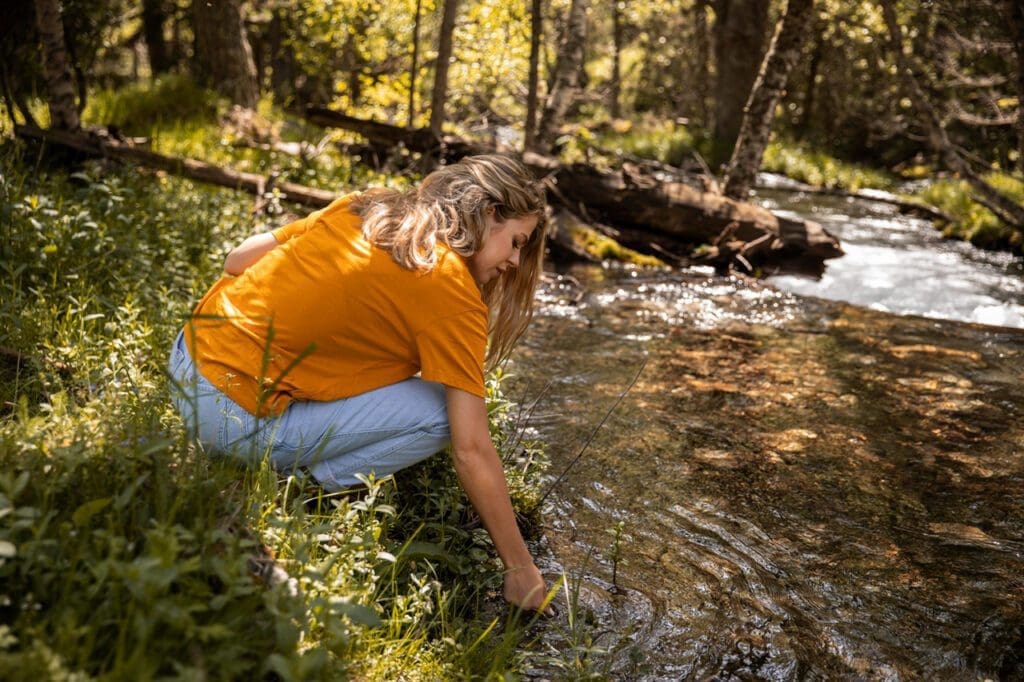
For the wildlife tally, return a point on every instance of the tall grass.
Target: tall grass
(125, 553)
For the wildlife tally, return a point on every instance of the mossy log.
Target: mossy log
(650, 215)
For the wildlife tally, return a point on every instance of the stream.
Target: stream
(795, 488)
(899, 264)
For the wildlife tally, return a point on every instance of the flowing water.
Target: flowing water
(794, 488)
(902, 265)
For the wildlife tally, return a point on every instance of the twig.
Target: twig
(516, 437)
(593, 433)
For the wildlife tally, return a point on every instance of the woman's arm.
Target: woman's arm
(483, 478)
(248, 252)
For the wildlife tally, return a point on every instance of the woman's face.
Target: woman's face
(501, 248)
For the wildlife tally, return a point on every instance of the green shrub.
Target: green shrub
(971, 220)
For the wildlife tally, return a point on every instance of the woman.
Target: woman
(307, 350)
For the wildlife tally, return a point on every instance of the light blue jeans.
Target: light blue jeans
(378, 432)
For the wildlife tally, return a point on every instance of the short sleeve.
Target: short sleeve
(302, 225)
(286, 232)
(452, 351)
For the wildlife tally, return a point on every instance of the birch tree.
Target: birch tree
(765, 95)
(60, 88)
(568, 76)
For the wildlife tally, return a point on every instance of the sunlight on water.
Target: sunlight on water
(793, 489)
(902, 265)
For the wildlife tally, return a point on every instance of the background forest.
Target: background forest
(123, 555)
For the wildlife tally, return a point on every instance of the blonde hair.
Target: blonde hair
(450, 207)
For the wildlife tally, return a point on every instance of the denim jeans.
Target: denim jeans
(378, 432)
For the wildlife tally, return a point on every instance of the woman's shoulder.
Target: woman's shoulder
(341, 207)
(452, 280)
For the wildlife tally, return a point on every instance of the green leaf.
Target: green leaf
(85, 512)
(357, 613)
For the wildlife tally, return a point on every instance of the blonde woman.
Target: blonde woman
(354, 341)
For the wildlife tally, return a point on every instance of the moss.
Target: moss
(605, 248)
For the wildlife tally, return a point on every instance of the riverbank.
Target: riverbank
(125, 552)
(971, 221)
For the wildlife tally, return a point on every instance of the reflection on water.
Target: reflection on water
(808, 489)
(902, 265)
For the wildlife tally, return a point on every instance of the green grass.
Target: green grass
(971, 220)
(659, 139)
(819, 169)
(179, 119)
(125, 552)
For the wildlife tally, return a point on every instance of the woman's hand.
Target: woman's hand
(480, 472)
(525, 588)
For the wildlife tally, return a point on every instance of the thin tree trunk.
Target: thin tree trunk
(703, 56)
(60, 88)
(806, 116)
(223, 58)
(414, 67)
(616, 85)
(536, 29)
(1003, 207)
(568, 76)
(768, 90)
(444, 56)
(741, 30)
(282, 61)
(1014, 11)
(14, 98)
(154, 16)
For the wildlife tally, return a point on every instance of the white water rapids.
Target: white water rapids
(898, 264)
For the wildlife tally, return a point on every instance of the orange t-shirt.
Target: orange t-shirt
(325, 315)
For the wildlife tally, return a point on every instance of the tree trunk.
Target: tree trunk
(703, 55)
(1002, 206)
(1014, 12)
(615, 86)
(568, 76)
(60, 88)
(536, 29)
(223, 59)
(415, 65)
(741, 28)
(283, 70)
(444, 56)
(768, 90)
(154, 16)
(807, 115)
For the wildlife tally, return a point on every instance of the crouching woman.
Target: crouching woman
(354, 341)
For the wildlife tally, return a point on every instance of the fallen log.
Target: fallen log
(657, 216)
(422, 140)
(664, 219)
(93, 143)
(678, 217)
